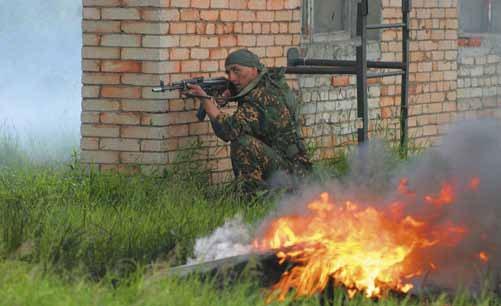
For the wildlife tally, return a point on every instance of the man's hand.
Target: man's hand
(207, 103)
(194, 90)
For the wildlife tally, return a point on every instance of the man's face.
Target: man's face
(240, 75)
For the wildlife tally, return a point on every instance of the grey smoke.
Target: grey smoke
(40, 83)
(469, 149)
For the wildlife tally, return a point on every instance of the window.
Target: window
(324, 19)
(481, 16)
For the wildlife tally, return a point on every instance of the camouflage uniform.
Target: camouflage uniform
(264, 133)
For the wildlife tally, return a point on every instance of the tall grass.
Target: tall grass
(69, 217)
(67, 234)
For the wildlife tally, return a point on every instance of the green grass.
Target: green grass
(23, 284)
(69, 235)
(70, 217)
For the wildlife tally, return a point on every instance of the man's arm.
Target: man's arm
(228, 127)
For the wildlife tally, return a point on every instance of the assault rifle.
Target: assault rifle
(212, 87)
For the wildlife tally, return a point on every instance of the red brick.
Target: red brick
(200, 3)
(229, 15)
(284, 27)
(228, 41)
(180, 53)
(120, 92)
(274, 4)
(218, 53)
(256, 28)
(210, 29)
(238, 4)
(209, 15)
(190, 15)
(178, 28)
(200, 28)
(474, 42)
(228, 28)
(190, 66)
(247, 27)
(121, 66)
(340, 81)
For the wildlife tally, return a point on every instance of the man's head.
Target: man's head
(242, 66)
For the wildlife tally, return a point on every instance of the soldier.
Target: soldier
(263, 132)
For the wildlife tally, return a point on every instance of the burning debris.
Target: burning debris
(438, 224)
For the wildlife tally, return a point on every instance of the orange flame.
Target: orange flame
(403, 187)
(483, 256)
(474, 183)
(367, 250)
(445, 197)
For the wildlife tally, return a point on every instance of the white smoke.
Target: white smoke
(231, 239)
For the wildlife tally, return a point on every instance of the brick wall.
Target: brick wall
(130, 45)
(479, 77)
(433, 67)
(329, 102)
(329, 108)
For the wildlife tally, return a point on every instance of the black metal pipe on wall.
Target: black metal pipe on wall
(343, 63)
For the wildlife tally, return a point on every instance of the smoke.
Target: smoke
(469, 151)
(231, 239)
(40, 87)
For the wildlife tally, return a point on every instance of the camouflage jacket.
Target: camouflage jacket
(266, 114)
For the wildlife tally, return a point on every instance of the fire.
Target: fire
(403, 187)
(445, 197)
(474, 183)
(366, 249)
(483, 257)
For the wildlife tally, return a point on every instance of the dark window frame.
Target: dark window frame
(348, 30)
(486, 18)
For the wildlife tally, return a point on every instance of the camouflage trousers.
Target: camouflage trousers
(254, 163)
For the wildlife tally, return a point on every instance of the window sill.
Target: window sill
(478, 35)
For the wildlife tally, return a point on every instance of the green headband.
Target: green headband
(245, 58)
